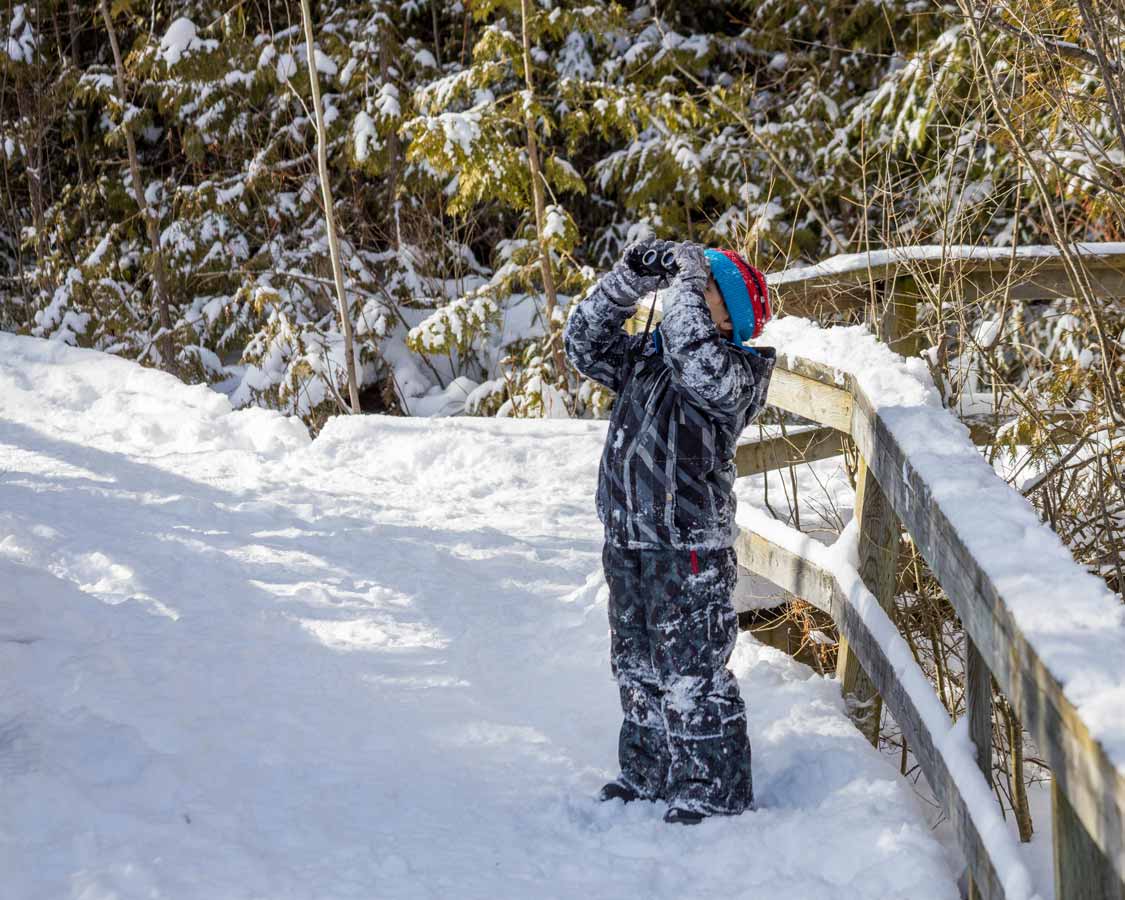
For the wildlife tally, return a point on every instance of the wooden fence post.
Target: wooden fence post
(901, 315)
(978, 707)
(878, 558)
(1082, 871)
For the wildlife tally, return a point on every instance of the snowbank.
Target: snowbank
(116, 405)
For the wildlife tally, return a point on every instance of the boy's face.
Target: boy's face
(718, 308)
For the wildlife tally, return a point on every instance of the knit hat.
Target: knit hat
(744, 292)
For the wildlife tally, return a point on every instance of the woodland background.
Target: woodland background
(162, 202)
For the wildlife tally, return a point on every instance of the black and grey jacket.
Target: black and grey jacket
(667, 472)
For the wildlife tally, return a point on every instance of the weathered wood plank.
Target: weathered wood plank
(1093, 785)
(878, 557)
(978, 707)
(808, 445)
(902, 315)
(814, 371)
(813, 584)
(846, 283)
(1081, 870)
(1047, 282)
(797, 393)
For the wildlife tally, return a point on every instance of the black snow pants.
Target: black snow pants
(672, 629)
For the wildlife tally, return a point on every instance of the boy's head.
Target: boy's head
(736, 295)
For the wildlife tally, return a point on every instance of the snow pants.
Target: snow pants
(672, 630)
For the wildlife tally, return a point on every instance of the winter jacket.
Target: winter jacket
(667, 471)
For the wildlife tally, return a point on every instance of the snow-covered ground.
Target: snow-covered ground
(240, 664)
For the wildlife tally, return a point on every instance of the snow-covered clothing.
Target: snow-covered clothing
(667, 471)
(665, 497)
(683, 737)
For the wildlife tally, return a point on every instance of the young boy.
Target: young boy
(684, 395)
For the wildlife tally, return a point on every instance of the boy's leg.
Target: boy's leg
(642, 747)
(693, 628)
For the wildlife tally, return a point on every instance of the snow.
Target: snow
(348, 71)
(325, 64)
(554, 222)
(365, 136)
(461, 129)
(180, 40)
(267, 56)
(444, 402)
(1027, 562)
(98, 254)
(286, 67)
(373, 664)
(574, 58)
(388, 102)
(22, 41)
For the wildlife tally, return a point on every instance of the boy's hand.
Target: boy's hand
(694, 267)
(625, 285)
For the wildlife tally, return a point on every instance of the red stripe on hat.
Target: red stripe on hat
(765, 292)
(756, 295)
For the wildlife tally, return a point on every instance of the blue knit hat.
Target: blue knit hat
(744, 292)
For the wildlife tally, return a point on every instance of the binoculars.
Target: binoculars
(652, 262)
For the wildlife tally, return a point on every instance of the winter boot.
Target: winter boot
(615, 790)
(677, 816)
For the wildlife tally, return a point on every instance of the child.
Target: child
(684, 395)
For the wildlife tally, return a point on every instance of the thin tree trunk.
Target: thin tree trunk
(437, 35)
(160, 284)
(1019, 789)
(394, 147)
(329, 215)
(25, 101)
(80, 149)
(537, 192)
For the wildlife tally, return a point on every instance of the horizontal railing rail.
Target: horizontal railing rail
(1031, 272)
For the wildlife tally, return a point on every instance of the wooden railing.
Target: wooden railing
(875, 664)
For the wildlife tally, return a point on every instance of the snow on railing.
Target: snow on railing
(859, 266)
(1051, 634)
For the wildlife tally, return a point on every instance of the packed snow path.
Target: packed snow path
(240, 664)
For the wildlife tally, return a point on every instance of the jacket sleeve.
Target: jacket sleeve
(594, 339)
(713, 374)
